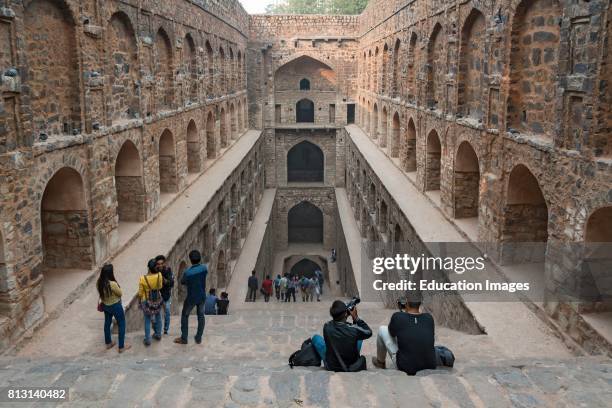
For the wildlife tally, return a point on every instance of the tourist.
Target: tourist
(304, 288)
(310, 290)
(284, 285)
(253, 285)
(166, 290)
(409, 339)
(333, 255)
(277, 282)
(210, 304)
(319, 276)
(266, 288)
(317, 288)
(151, 301)
(341, 339)
(110, 299)
(223, 304)
(194, 279)
(292, 284)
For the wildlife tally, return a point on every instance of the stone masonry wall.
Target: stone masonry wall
(78, 80)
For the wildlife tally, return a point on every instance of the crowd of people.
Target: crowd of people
(155, 298)
(286, 287)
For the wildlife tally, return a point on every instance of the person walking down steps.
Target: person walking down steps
(253, 284)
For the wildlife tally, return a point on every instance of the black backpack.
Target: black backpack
(306, 356)
(444, 357)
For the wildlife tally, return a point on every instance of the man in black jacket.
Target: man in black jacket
(166, 290)
(345, 338)
(253, 285)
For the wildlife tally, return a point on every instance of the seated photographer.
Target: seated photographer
(340, 345)
(409, 339)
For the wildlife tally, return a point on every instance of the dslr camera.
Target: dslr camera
(352, 303)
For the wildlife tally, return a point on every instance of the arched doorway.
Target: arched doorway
(305, 163)
(193, 148)
(168, 177)
(211, 152)
(433, 164)
(395, 135)
(525, 224)
(304, 111)
(129, 184)
(473, 59)
(383, 127)
(235, 243)
(66, 236)
(409, 155)
(233, 125)
(374, 124)
(597, 264)
(164, 74)
(123, 56)
(221, 271)
(466, 182)
(223, 128)
(305, 267)
(305, 223)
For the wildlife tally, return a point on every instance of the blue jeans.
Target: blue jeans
(156, 326)
(187, 308)
(115, 311)
(319, 344)
(167, 305)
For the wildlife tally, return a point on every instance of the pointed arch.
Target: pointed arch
(122, 68)
(305, 163)
(164, 71)
(305, 223)
(168, 172)
(129, 184)
(395, 135)
(190, 68)
(305, 111)
(65, 222)
(433, 162)
(223, 128)
(472, 65)
(53, 77)
(436, 71)
(211, 145)
(466, 183)
(194, 156)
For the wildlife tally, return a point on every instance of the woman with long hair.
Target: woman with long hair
(110, 298)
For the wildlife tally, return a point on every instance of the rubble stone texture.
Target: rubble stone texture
(499, 113)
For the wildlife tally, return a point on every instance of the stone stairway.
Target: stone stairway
(243, 362)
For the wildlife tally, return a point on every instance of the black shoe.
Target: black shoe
(157, 337)
(166, 332)
(147, 343)
(198, 341)
(179, 340)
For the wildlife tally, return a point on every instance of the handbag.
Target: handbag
(100, 306)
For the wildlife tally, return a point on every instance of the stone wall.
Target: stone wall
(524, 83)
(81, 79)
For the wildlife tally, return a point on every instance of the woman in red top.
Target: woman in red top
(266, 288)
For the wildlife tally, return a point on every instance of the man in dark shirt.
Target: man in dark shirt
(222, 304)
(345, 338)
(253, 285)
(195, 280)
(166, 290)
(409, 340)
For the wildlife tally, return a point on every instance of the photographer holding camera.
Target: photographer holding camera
(340, 345)
(409, 339)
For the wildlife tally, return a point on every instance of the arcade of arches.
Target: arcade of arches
(499, 120)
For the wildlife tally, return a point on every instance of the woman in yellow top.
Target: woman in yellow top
(151, 301)
(110, 297)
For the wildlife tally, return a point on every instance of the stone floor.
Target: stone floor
(243, 362)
